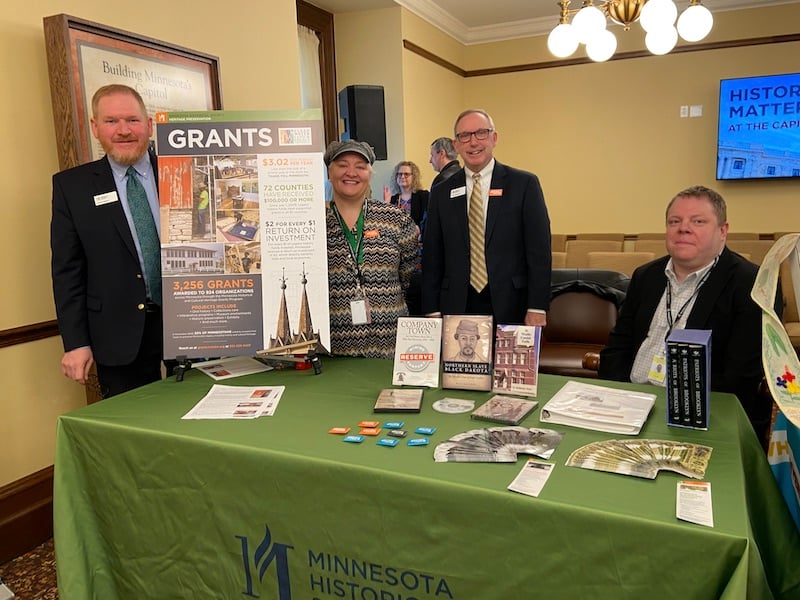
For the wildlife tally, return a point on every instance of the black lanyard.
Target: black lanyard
(670, 321)
(355, 242)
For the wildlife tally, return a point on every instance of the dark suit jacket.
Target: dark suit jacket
(98, 285)
(723, 305)
(447, 171)
(517, 246)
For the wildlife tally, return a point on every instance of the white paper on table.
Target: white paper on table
(599, 408)
(237, 402)
(235, 366)
(532, 477)
(693, 503)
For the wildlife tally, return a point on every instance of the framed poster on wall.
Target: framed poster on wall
(83, 56)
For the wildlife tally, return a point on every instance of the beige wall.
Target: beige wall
(257, 47)
(606, 139)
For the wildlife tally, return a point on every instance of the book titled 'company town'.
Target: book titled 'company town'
(417, 351)
(467, 352)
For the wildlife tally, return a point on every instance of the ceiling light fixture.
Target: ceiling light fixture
(657, 18)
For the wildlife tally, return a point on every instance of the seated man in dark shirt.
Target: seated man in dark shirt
(700, 284)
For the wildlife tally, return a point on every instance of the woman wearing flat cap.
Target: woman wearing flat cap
(371, 251)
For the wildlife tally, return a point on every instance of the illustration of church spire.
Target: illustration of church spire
(283, 333)
(306, 331)
(306, 326)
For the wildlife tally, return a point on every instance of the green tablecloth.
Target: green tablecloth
(151, 506)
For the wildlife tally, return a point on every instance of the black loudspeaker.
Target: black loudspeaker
(362, 109)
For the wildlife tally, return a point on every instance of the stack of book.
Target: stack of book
(688, 380)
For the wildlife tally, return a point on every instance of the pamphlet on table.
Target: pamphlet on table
(532, 477)
(237, 402)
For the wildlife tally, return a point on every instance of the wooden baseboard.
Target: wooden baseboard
(26, 514)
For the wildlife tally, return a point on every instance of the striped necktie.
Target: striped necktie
(477, 276)
(147, 234)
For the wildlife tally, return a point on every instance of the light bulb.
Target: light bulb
(602, 46)
(658, 13)
(589, 20)
(661, 41)
(562, 41)
(695, 23)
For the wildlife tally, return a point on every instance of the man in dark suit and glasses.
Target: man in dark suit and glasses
(105, 251)
(487, 242)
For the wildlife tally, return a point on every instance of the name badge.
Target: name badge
(359, 311)
(459, 191)
(106, 198)
(372, 233)
(658, 370)
(496, 192)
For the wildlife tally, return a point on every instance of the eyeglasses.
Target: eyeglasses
(404, 174)
(480, 134)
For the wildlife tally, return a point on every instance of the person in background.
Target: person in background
(700, 284)
(486, 248)
(444, 159)
(372, 248)
(407, 193)
(106, 264)
(202, 209)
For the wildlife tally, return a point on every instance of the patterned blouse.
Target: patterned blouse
(390, 247)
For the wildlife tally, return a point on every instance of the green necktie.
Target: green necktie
(147, 234)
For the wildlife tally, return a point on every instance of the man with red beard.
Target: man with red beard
(106, 274)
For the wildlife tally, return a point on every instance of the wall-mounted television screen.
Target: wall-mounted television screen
(759, 127)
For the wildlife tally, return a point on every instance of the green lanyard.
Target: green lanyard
(355, 240)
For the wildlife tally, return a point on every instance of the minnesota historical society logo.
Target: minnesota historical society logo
(330, 575)
(265, 555)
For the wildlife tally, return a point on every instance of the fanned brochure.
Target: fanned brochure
(599, 408)
(643, 458)
(498, 444)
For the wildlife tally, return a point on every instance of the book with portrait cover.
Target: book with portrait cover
(417, 351)
(516, 359)
(504, 409)
(394, 400)
(467, 352)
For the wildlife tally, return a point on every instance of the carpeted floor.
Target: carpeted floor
(32, 576)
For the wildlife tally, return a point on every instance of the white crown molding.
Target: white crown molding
(430, 11)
